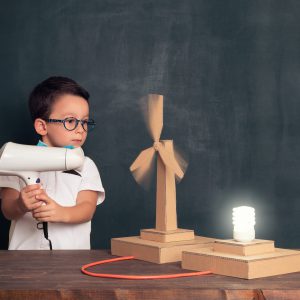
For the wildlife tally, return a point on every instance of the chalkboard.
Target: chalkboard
(230, 75)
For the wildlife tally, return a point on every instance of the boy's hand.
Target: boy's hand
(51, 212)
(27, 200)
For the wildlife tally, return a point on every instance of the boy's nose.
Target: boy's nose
(79, 128)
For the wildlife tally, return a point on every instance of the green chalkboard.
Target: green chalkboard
(230, 74)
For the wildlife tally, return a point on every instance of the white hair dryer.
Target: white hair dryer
(26, 161)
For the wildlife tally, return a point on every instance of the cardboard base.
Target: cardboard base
(167, 236)
(230, 258)
(156, 252)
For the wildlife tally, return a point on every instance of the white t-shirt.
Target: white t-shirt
(62, 187)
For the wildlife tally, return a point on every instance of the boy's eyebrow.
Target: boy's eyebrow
(73, 115)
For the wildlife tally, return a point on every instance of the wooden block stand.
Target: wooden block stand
(256, 259)
(157, 246)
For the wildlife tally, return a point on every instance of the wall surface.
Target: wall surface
(230, 74)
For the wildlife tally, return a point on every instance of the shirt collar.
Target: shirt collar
(42, 144)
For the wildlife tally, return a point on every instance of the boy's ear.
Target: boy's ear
(40, 126)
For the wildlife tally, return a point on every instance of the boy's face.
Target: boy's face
(55, 134)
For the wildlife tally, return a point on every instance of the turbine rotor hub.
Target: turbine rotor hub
(156, 145)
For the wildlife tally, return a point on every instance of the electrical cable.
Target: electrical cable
(134, 277)
(44, 226)
(45, 229)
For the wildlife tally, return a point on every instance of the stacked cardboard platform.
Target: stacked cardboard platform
(255, 259)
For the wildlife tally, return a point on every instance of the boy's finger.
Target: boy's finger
(34, 193)
(36, 205)
(42, 208)
(44, 198)
(44, 214)
(32, 206)
(32, 187)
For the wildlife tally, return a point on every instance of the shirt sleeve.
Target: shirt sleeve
(91, 179)
(13, 182)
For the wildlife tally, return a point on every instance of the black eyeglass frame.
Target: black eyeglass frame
(89, 122)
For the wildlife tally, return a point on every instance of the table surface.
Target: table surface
(57, 275)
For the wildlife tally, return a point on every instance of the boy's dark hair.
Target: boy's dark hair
(45, 94)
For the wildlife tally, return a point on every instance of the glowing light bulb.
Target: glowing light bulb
(243, 219)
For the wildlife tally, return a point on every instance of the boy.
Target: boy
(66, 200)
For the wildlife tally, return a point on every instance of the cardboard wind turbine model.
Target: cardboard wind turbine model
(166, 241)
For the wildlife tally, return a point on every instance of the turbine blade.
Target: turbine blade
(170, 162)
(145, 178)
(181, 160)
(142, 168)
(152, 106)
(142, 159)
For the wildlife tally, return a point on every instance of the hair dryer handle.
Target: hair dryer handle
(29, 177)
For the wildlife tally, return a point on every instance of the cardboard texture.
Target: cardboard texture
(156, 252)
(244, 249)
(256, 259)
(166, 241)
(167, 236)
(166, 215)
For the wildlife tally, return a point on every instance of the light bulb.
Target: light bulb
(243, 219)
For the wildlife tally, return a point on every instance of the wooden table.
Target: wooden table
(56, 275)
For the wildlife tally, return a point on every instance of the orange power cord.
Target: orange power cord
(134, 277)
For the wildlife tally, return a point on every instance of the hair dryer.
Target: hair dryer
(26, 161)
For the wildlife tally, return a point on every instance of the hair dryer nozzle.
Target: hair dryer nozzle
(18, 157)
(74, 159)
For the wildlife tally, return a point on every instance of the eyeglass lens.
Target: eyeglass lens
(72, 123)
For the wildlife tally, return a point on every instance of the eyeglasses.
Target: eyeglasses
(71, 123)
